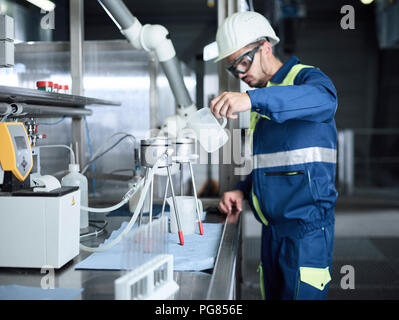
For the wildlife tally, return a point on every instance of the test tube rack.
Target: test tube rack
(149, 268)
(151, 281)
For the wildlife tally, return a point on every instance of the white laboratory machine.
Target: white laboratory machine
(40, 225)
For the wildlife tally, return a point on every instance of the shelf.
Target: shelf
(36, 97)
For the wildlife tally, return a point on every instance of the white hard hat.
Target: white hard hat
(241, 29)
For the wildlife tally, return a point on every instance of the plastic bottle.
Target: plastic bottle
(76, 179)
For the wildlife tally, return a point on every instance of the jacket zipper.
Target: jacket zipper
(284, 173)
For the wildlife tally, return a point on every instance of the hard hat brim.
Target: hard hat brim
(273, 41)
(223, 56)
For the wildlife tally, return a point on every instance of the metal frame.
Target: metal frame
(347, 167)
(76, 18)
(223, 285)
(227, 178)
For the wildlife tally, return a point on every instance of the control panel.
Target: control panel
(15, 149)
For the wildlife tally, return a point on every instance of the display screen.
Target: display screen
(20, 142)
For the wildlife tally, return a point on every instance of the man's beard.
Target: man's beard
(259, 84)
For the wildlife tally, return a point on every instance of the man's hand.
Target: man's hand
(228, 103)
(231, 202)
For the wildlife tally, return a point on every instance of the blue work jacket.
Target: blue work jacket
(292, 183)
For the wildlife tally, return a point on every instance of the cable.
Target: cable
(122, 170)
(102, 210)
(126, 198)
(107, 150)
(95, 233)
(93, 223)
(94, 157)
(113, 146)
(61, 146)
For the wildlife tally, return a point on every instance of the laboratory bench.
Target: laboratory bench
(218, 283)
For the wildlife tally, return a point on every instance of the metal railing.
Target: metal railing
(368, 162)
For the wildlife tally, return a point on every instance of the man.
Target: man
(293, 134)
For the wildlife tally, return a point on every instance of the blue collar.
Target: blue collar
(280, 75)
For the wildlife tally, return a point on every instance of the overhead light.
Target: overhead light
(46, 5)
(366, 1)
(3, 8)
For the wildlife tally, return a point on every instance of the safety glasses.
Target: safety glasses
(243, 63)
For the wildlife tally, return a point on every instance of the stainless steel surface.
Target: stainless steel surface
(36, 97)
(222, 284)
(192, 285)
(115, 71)
(40, 111)
(99, 285)
(227, 178)
(78, 140)
(76, 27)
(184, 147)
(153, 148)
(5, 108)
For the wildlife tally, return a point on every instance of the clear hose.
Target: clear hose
(101, 210)
(135, 215)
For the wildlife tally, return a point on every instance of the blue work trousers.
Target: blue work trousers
(296, 264)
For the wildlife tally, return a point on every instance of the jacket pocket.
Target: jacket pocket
(284, 173)
(316, 278)
(285, 195)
